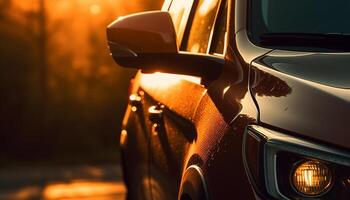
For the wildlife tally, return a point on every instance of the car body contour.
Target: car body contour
(215, 113)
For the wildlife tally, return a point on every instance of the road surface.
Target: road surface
(62, 183)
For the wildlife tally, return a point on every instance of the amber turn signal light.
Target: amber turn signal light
(312, 178)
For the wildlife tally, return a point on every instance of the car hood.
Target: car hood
(328, 69)
(306, 94)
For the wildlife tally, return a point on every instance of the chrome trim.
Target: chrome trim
(276, 142)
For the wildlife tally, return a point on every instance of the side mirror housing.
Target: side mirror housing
(147, 41)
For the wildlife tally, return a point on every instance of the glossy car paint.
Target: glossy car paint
(137, 39)
(202, 125)
(312, 105)
(213, 118)
(126, 32)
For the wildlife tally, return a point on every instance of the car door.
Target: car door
(170, 101)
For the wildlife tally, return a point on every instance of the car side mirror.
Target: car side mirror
(147, 41)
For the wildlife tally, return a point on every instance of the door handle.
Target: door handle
(155, 114)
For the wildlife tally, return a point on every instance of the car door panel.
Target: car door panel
(171, 136)
(234, 112)
(135, 147)
(174, 91)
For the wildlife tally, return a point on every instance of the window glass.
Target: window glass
(308, 16)
(218, 42)
(304, 17)
(166, 5)
(202, 25)
(179, 11)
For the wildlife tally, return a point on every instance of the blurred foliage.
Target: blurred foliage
(62, 96)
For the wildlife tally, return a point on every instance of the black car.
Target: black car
(237, 99)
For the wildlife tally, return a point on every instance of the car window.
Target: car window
(201, 26)
(166, 5)
(180, 11)
(219, 37)
(299, 25)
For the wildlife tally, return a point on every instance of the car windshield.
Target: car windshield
(301, 23)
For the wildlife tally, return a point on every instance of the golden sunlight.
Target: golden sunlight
(207, 6)
(95, 9)
(166, 80)
(82, 189)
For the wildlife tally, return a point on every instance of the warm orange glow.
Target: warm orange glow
(95, 9)
(29, 192)
(163, 80)
(177, 12)
(59, 79)
(195, 47)
(312, 178)
(123, 137)
(73, 190)
(207, 6)
(82, 189)
(134, 97)
(77, 41)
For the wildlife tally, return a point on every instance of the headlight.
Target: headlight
(311, 178)
(286, 167)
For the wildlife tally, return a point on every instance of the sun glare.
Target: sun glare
(82, 189)
(207, 6)
(166, 80)
(95, 9)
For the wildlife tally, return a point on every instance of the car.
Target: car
(236, 99)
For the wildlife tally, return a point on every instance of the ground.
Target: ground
(101, 182)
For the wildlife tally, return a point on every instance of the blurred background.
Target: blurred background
(62, 98)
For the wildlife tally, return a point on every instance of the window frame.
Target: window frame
(220, 13)
(166, 5)
(184, 21)
(186, 27)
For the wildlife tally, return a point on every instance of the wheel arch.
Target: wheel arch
(193, 185)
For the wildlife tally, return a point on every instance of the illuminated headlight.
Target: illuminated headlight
(286, 167)
(311, 178)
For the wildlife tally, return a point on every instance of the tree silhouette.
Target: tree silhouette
(43, 65)
(61, 93)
